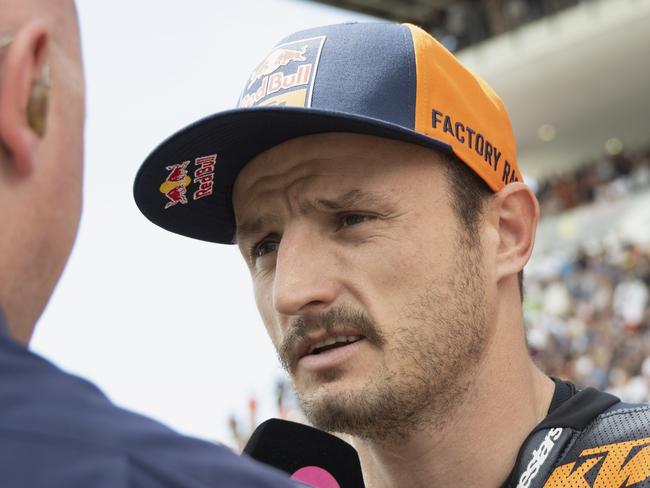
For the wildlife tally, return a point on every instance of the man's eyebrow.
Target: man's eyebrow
(349, 200)
(345, 201)
(252, 227)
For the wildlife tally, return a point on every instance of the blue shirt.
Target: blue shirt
(60, 431)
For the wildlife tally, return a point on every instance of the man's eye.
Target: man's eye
(264, 247)
(354, 219)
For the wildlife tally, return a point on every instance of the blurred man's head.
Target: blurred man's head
(41, 152)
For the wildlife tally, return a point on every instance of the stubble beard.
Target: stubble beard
(439, 351)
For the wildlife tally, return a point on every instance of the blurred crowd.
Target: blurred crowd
(465, 22)
(606, 178)
(588, 318)
(587, 310)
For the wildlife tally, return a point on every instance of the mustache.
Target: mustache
(301, 327)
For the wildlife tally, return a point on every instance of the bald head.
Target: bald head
(41, 152)
(16, 11)
(59, 15)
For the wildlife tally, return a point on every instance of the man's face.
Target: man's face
(370, 291)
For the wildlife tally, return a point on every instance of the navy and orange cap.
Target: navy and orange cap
(382, 79)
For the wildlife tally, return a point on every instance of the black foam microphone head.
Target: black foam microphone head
(306, 453)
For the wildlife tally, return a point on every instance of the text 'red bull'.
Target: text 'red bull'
(276, 82)
(204, 176)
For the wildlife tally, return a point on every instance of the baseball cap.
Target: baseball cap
(383, 79)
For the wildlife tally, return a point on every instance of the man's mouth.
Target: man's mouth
(325, 352)
(325, 341)
(332, 343)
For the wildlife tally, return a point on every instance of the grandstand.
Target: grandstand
(575, 76)
(459, 24)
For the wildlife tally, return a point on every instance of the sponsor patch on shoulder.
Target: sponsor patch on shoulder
(285, 77)
(622, 464)
(178, 181)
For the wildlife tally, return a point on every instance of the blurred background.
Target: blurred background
(167, 326)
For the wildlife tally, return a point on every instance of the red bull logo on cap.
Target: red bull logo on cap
(286, 76)
(279, 57)
(175, 185)
(178, 180)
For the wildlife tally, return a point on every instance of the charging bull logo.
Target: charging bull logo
(178, 180)
(620, 465)
(277, 59)
(286, 76)
(175, 185)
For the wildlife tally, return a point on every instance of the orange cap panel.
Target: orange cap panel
(455, 106)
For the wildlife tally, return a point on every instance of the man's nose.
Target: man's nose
(304, 274)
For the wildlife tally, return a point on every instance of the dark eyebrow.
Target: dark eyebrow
(350, 200)
(345, 201)
(253, 227)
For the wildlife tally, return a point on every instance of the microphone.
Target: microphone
(309, 455)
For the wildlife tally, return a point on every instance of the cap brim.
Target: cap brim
(237, 136)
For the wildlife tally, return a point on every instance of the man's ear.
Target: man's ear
(514, 214)
(22, 75)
